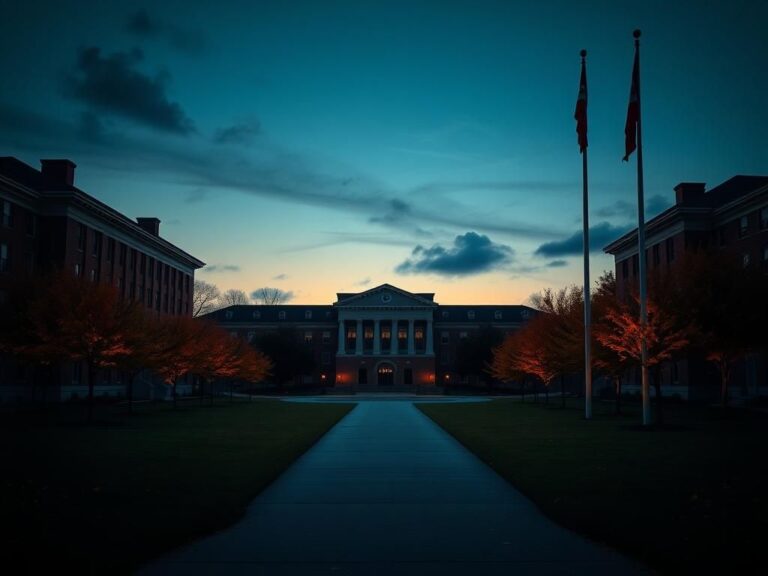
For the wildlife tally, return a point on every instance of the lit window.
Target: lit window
(308, 314)
(497, 314)
(281, 315)
(418, 333)
(77, 270)
(93, 276)
(368, 332)
(308, 337)
(470, 314)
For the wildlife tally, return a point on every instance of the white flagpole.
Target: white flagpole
(587, 302)
(641, 246)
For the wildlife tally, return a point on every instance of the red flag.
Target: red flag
(581, 109)
(633, 111)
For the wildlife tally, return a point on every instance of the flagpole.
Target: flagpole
(587, 302)
(641, 247)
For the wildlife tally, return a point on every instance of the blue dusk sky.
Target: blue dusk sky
(326, 146)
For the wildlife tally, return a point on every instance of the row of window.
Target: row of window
(762, 222)
(8, 214)
(281, 314)
(655, 253)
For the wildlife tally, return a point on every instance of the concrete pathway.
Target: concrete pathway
(388, 492)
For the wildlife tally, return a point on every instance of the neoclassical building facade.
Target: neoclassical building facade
(384, 338)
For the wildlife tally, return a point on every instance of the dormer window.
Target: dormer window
(497, 314)
(446, 314)
(256, 314)
(470, 314)
(281, 315)
(307, 314)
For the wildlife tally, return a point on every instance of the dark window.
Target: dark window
(670, 246)
(326, 337)
(764, 218)
(5, 263)
(635, 264)
(362, 376)
(656, 257)
(157, 300)
(408, 377)
(151, 267)
(122, 254)
(31, 224)
(721, 236)
(765, 256)
(625, 269)
(96, 250)
(110, 249)
(143, 265)
(445, 337)
(743, 226)
(7, 214)
(325, 358)
(81, 234)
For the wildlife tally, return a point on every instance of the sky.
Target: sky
(323, 147)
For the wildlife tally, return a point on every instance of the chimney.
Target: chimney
(687, 191)
(151, 225)
(58, 173)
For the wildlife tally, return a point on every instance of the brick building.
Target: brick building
(384, 338)
(48, 223)
(732, 216)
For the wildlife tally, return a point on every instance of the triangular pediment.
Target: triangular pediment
(387, 296)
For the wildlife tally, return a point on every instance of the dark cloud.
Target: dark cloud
(237, 133)
(221, 268)
(599, 235)
(471, 253)
(557, 263)
(113, 84)
(395, 213)
(141, 24)
(628, 210)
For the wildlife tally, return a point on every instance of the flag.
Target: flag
(581, 109)
(633, 111)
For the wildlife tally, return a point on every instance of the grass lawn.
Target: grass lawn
(691, 496)
(106, 497)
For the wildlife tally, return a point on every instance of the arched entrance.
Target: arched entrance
(385, 374)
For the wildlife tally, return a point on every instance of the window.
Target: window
(625, 269)
(149, 297)
(764, 218)
(325, 358)
(123, 250)
(745, 260)
(446, 314)
(7, 214)
(4, 262)
(656, 256)
(96, 248)
(151, 267)
(92, 275)
(445, 337)
(228, 315)
(497, 314)
(281, 315)
(81, 234)
(463, 335)
(110, 249)
(77, 270)
(251, 335)
(31, 224)
(157, 300)
(233, 334)
(308, 337)
(307, 314)
(444, 357)
(256, 315)
(635, 265)
(326, 337)
(470, 314)
(418, 333)
(721, 236)
(143, 265)
(743, 226)
(670, 248)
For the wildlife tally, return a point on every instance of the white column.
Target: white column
(393, 336)
(359, 338)
(411, 349)
(342, 337)
(430, 346)
(376, 338)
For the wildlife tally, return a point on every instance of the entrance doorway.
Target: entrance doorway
(386, 374)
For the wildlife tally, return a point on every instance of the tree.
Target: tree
(475, 352)
(271, 296)
(234, 297)
(178, 345)
(621, 331)
(76, 320)
(289, 357)
(205, 298)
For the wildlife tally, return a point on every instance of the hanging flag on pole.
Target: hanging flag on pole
(633, 111)
(581, 106)
(581, 129)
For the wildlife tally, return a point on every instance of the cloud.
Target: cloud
(471, 253)
(628, 210)
(196, 195)
(364, 282)
(221, 268)
(144, 26)
(114, 85)
(557, 263)
(243, 133)
(599, 235)
(396, 211)
(280, 277)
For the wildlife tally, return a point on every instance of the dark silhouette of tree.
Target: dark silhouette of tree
(271, 296)
(606, 360)
(234, 297)
(289, 357)
(205, 298)
(475, 352)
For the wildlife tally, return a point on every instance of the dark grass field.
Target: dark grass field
(689, 497)
(101, 499)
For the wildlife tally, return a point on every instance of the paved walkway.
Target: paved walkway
(388, 492)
